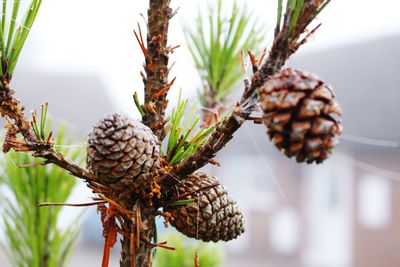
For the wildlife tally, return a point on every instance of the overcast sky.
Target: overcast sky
(96, 36)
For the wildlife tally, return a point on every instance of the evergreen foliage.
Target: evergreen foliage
(215, 45)
(33, 238)
(13, 33)
(183, 140)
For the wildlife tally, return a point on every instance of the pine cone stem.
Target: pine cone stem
(156, 66)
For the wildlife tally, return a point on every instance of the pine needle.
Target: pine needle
(12, 41)
(183, 138)
(33, 237)
(215, 45)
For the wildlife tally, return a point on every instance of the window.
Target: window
(374, 198)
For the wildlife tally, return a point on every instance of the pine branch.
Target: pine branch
(290, 34)
(12, 109)
(156, 66)
(287, 40)
(222, 134)
(156, 87)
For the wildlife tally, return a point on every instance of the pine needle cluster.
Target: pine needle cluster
(33, 236)
(216, 43)
(13, 33)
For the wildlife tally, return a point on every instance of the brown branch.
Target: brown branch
(56, 204)
(12, 109)
(60, 160)
(225, 129)
(284, 45)
(221, 136)
(156, 66)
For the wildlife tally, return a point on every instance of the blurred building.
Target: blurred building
(346, 212)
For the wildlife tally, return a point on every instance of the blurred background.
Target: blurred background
(82, 58)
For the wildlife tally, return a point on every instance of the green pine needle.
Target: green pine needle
(297, 7)
(183, 140)
(11, 27)
(13, 39)
(33, 237)
(279, 15)
(137, 104)
(292, 23)
(39, 128)
(3, 23)
(215, 45)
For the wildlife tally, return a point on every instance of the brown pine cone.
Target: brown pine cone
(301, 115)
(213, 216)
(120, 150)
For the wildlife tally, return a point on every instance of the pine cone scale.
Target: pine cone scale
(121, 149)
(301, 115)
(213, 216)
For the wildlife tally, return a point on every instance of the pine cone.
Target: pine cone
(120, 150)
(301, 115)
(213, 216)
